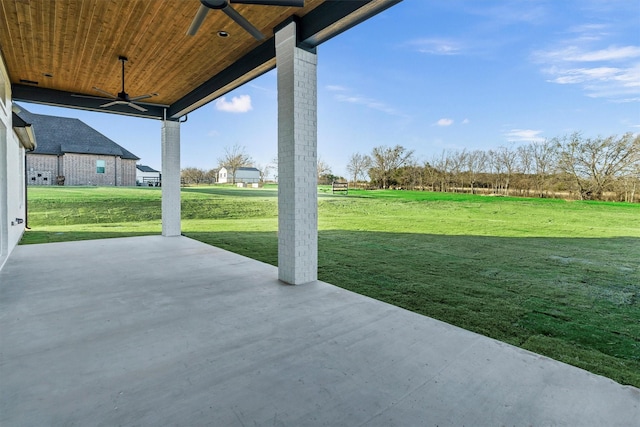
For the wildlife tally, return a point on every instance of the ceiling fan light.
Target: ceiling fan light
(223, 34)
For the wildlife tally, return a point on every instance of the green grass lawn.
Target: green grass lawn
(555, 277)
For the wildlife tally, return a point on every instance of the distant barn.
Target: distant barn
(147, 176)
(243, 175)
(70, 152)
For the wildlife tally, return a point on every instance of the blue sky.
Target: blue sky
(432, 76)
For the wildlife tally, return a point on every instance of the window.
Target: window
(99, 166)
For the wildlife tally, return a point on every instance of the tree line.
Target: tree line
(602, 168)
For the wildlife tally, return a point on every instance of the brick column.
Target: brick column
(170, 178)
(297, 160)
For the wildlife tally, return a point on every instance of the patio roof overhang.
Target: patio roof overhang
(24, 130)
(57, 52)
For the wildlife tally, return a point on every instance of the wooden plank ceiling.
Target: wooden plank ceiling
(56, 48)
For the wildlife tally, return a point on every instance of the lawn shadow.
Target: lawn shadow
(232, 191)
(34, 237)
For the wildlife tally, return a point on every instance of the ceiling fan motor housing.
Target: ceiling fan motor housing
(215, 4)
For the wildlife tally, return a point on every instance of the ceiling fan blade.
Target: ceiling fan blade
(110, 104)
(138, 98)
(104, 92)
(240, 20)
(79, 95)
(292, 3)
(136, 106)
(197, 20)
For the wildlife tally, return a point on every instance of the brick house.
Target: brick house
(70, 152)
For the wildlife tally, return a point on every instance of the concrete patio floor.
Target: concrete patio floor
(169, 331)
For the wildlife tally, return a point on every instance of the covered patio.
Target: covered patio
(170, 331)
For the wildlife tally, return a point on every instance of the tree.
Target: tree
(211, 176)
(358, 166)
(410, 176)
(595, 163)
(458, 163)
(507, 161)
(475, 162)
(264, 171)
(430, 175)
(192, 176)
(442, 165)
(544, 158)
(323, 168)
(385, 161)
(235, 157)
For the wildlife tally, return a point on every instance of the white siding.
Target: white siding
(242, 175)
(12, 202)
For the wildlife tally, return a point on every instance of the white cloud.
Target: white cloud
(437, 46)
(238, 104)
(444, 122)
(374, 104)
(465, 122)
(577, 54)
(602, 71)
(336, 88)
(213, 133)
(524, 135)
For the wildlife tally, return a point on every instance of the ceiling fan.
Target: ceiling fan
(123, 97)
(225, 6)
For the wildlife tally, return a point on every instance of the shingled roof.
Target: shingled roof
(60, 135)
(143, 168)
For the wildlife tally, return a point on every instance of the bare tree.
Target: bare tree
(323, 168)
(630, 181)
(594, 164)
(235, 157)
(430, 175)
(544, 158)
(458, 163)
(358, 166)
(385, 161)
(507, 160)
(264, 171)
(475, 162)
(443, 165)
(192, 176)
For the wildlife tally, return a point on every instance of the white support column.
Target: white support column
(297, 160)
(4, 194)
(170, 178)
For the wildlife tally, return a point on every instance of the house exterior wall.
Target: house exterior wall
(152, 176)
(42, 169)
(80, 169)
(127, 172)
(12, 194)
